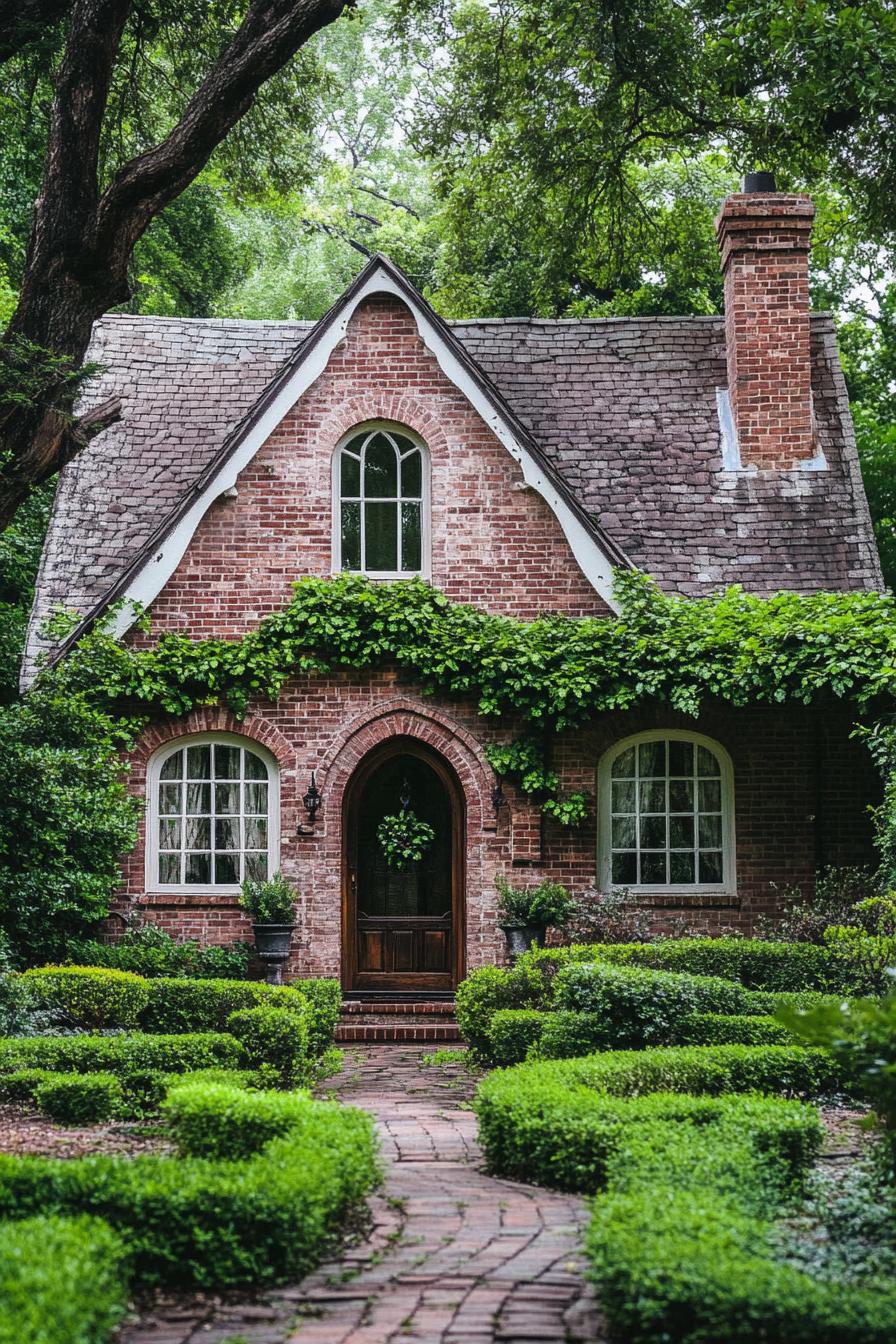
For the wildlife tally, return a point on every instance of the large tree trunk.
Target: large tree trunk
(81, 241)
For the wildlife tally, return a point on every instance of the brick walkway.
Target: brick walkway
(453, 1257)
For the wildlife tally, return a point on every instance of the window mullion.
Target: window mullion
(241, 869)
(183, 816)
(667, 835)
(638, 817)
(362, 511)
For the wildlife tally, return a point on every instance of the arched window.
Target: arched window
(213, 816)
(381, 482)
(666, 807)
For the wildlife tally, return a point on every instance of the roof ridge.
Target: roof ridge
(165, 318)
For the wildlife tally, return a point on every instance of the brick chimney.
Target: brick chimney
(764, 237)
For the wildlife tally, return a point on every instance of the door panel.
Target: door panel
(372, 944)
(402, 926)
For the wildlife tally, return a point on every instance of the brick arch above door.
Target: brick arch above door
(403, 717)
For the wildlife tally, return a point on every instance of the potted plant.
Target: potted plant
(524, 913)
(271, 905)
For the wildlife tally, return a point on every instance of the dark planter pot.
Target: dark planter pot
(272, 942)
(520, 937)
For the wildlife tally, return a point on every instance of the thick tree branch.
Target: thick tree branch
(67, 200)
(270, 34)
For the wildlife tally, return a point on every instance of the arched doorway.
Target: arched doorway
(403, 927)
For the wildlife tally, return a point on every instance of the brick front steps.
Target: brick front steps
(377, 1020)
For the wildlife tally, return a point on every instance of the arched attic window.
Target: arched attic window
(213, 814)
(381, 483)
(666, 814)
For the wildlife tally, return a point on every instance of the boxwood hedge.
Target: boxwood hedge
(547, 1121)
(96, 997)
(79, 1098)
(208, 1119)
(750, 961)
(207, 1224)
(681, 1246)
(122, 1055)
(88, 998)
(588, 1006)
(62, 1281)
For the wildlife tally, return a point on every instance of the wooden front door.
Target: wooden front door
(402, 927)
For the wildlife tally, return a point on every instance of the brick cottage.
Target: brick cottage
(514, 464)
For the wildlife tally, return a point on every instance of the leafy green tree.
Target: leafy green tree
(371, 190)
(20, 550)
(65, 819)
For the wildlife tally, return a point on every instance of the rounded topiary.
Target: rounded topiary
(89, 996)
(275, 1040)
(79, 1098)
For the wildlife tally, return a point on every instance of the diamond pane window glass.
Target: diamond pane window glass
(212, 802)
(381, 504)
(667, 814)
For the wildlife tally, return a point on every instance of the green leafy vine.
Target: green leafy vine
(546, 675)
(523, 761)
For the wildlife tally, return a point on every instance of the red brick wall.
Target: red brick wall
(765, 259)
(494, 542)
(801, 794)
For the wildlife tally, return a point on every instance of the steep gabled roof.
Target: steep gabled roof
(615, 422)
(154, 563)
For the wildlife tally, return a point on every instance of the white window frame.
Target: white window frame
(605, 805)
(390, 427)
(153, 780)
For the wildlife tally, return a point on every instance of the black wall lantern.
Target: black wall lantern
(311, 801)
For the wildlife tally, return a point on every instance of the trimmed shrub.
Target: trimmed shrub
(691, 1266)
(62, 1281)
(752, 962)
(564, 1135)
(512, 1032)
(275, 1039)
(642, 1007)
(88, 997)
(544, 1121)
(487, 991)
(79, 1098)
(210, 1225)
(680, 1250)
(603, 1005)
(209, 1119)
(21, 1086)
(205, 1005)
(566, 1034)
(122, 1055)
(724, 1029)
(630, 1006)
(323, 1000)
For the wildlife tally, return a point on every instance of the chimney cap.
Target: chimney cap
(758, 183)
